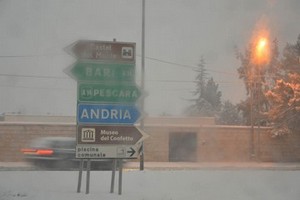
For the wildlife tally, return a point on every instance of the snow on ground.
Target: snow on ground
(153, 185)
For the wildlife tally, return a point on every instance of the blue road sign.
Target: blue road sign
(107, 114)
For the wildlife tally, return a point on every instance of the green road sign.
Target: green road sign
(93, 71)
(109, 93)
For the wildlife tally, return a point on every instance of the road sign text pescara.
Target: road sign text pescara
(109, 93)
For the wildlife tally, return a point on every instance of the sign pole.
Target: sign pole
(120, 175)
(112, 184)
(80, 175)
(143, 81)
(88, 170)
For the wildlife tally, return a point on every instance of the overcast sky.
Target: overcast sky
(33, 34)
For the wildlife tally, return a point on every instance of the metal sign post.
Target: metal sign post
(80, 176)
(88, 170)
(120, 161)
(112, 184)
(143, 79)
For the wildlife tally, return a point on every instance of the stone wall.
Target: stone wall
(15, 136)
(212, 143)
(225, 143)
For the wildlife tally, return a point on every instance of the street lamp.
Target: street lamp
(261, 51)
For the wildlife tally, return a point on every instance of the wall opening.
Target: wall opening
(182, 147)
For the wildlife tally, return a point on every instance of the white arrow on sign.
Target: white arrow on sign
(107, 151)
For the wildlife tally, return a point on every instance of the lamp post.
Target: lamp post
(260, 58)
(252, 153)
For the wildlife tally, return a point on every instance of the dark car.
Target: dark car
(58, 153)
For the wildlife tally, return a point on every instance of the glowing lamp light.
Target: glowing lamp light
(261, 45)
(262, 52)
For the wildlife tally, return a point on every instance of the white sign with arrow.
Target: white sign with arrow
(107, 151)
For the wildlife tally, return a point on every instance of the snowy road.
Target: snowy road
(153, 185)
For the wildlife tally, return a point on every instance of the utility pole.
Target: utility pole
(143, 81)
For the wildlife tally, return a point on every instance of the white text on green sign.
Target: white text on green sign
(109, 93)
(91, 71)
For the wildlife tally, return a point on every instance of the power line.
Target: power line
(66, 78)
(33, 76)
(172, 81)
(39, 88)
(147, 57)
(20, 56)
(184, 81)
(186, 66)
(29, 55)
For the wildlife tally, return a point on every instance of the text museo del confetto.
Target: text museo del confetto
(113, 136)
